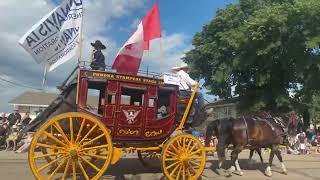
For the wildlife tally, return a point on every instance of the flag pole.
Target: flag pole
(44, 79)
(81, 40)
(79, 54)
(161, 55)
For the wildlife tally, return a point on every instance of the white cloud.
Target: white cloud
(135, 23)
(173, 48)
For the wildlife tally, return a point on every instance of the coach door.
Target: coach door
(130, 111)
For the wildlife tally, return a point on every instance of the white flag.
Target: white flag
(55, 38)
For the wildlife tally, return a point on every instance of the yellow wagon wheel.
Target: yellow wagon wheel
(183, 157)
(150, 159)
(75, 138)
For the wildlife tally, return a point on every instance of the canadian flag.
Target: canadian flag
(129, 57)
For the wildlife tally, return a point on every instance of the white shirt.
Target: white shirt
(186, 82)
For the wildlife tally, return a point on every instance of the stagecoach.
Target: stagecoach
(125, 117)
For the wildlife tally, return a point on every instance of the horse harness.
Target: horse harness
(277, 120)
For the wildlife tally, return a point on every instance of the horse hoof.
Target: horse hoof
(227, 173)
(285, 172)
(268, 172)
(240, 173)
(232, 168)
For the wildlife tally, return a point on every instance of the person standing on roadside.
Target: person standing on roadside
(14, 117)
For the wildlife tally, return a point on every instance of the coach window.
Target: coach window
(111, 98)
(96, 97)
(163, 104)
(133, 97)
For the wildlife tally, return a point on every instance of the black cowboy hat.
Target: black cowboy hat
(98, 44)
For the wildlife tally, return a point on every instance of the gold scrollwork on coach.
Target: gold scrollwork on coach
(153, 133)
(128, 132)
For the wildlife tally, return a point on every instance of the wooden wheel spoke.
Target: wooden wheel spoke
(47, 155)
(48, 164)
(95, 147)
(173, 164)
(189, 174)
(83, 171)
(179, 172)
(172, 153)
(92, 140)
(90, 131)
(49, 146)
(170, 159)
(184, 143)
(183, 172)
(194, 152)
(189, 143)
(54, 138)
(94, 155)
(57, 169)
(71, 129)
(190, 150)
(195, 157)
(65, 172)
(178, 143)
(174, 148)
(80, 130)
(194, 164)
(175, 169)
(74, 173)
(60, 130)
(90, 164)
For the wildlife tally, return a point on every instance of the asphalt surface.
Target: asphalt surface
(300, 167)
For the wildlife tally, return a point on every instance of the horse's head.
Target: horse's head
(212, 130)
(290, 121)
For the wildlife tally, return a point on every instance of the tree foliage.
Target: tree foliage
(266, 49)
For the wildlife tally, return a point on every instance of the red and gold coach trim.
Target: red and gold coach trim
(112, 76)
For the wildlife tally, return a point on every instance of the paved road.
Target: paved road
(303, 167)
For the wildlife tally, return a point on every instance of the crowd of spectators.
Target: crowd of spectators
(11, 136)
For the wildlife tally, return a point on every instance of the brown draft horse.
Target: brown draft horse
(252, 133)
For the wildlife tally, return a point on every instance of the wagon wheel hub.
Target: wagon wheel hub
(73, 154)
(183, 156)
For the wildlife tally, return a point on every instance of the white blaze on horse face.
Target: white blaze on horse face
(131, 115)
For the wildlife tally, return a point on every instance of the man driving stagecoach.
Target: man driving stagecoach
(186, 85)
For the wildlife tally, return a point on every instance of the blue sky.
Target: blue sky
(111, 21)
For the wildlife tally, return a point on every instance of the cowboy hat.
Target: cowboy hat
(182, 66)
(99, 44)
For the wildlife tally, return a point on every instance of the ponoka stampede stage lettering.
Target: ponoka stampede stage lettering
(111, 76)
(55, 38)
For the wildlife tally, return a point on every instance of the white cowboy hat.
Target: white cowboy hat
(182, 66)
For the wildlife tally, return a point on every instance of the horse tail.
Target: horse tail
(210, 130)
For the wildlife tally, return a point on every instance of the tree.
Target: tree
(314, 110)
(266, 49)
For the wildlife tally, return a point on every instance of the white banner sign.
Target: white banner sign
(55, 38)
(171, 79)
